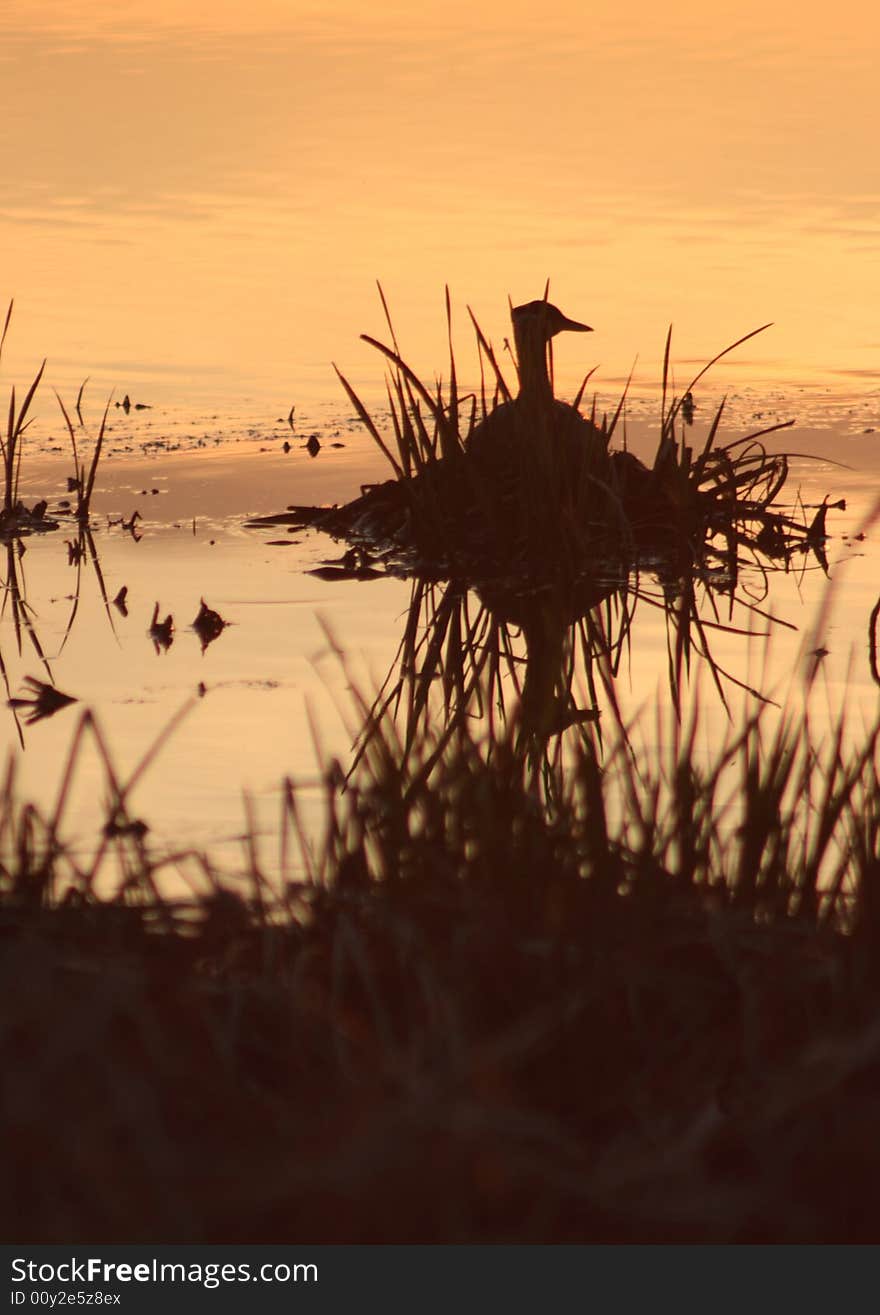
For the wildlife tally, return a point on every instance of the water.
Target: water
(197, 207)
(278, 698)
(199, 202)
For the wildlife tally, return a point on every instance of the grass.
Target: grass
(84, 476)
(639, 1004)
(510, 991)
(18, 521)
(478, 495)
(11, 445)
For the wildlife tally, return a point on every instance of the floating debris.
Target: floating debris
(208, 625)
(19, 519)
(119, 827)
(353, 565)
(119, 602)
(294, 517)
(161, 632)
(127, 525)
(687, 408)
(43, 701)
(313, 447)
(357, 558)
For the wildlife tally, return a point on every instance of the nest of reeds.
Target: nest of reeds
(495, 485)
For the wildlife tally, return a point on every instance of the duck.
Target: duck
(535, 415)
(534, 326)
(537, 444)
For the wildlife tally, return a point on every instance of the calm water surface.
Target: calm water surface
(276, 691)
(201, 206)
(204, 196)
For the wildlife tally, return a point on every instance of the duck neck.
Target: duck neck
(535, 388)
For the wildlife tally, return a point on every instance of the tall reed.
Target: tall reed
(17, 423)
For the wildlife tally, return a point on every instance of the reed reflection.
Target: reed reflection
(534, 537)
(41, 697)
(534, 664)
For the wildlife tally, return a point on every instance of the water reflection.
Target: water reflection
(22, 621)
(83, 548)
(534, 664)
(537, 666)
(208, 625)
(659, 169)
(542, 647)
(534, 539)
(44, 699)
(161, 631)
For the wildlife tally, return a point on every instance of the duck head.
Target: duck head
(542, 320)
(534, 325)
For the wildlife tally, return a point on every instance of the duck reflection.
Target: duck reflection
(539, 661)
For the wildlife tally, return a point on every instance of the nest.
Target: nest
(509, 488)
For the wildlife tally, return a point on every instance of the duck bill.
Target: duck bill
(574, 326)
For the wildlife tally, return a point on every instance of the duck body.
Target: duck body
(535, 444)
(548, 451)
(535, 492)
(535, 421)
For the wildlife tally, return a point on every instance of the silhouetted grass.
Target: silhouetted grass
(504, 993)
(11, 444)
(84, 476)
(18, 521)
(636, 1004)
(478, 493)
(15, 518)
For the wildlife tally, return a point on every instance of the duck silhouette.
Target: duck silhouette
(535, 415)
